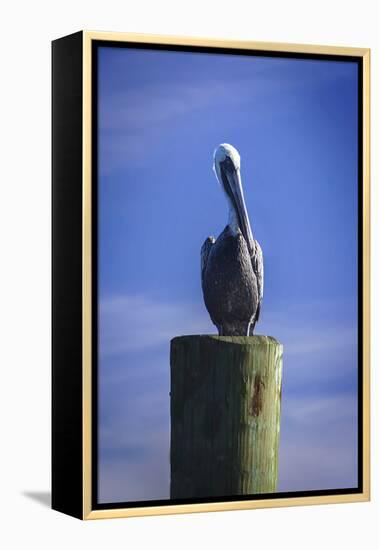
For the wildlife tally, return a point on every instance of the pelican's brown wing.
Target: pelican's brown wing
(205, 250)
(257, 262)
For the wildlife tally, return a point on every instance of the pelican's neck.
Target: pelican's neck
(233, 219)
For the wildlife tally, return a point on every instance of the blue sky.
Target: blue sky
(294, 122)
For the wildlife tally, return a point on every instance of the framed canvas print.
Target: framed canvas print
(210, 275)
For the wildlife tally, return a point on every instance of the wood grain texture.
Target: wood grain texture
(225, 415)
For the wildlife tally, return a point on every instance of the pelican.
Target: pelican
(232, 265)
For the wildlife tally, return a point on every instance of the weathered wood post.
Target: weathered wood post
(225, 415)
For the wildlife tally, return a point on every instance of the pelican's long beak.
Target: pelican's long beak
(231, 179)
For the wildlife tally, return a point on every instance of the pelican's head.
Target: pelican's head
(226, 153)
(227, 163)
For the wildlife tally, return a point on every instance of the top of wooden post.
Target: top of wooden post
(256, 340)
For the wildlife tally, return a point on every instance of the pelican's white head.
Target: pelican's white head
(227, 163)
(222, 153)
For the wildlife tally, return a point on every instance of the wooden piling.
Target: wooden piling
(225, 415)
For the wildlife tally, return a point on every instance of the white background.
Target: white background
(27, 29)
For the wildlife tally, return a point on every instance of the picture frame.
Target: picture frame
(76, 81)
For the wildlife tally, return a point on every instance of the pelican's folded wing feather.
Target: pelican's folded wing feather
(257, 262)
(205, 250)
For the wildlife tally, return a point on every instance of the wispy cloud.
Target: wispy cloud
(135, 120)
(318, 447)
(140, 122)
(320, 344)
(140, 471)
(129, 323)
(305, 339)
(137, 123)
(145, 108)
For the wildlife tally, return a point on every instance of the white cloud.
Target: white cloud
(144, 477)
(305, 341)
(306, 410)
(318, 448)
(130, 323)
(318, 345)
(133, 124)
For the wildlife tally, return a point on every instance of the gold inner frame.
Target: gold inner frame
(88, 513)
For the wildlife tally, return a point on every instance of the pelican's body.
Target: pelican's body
(232, 265)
